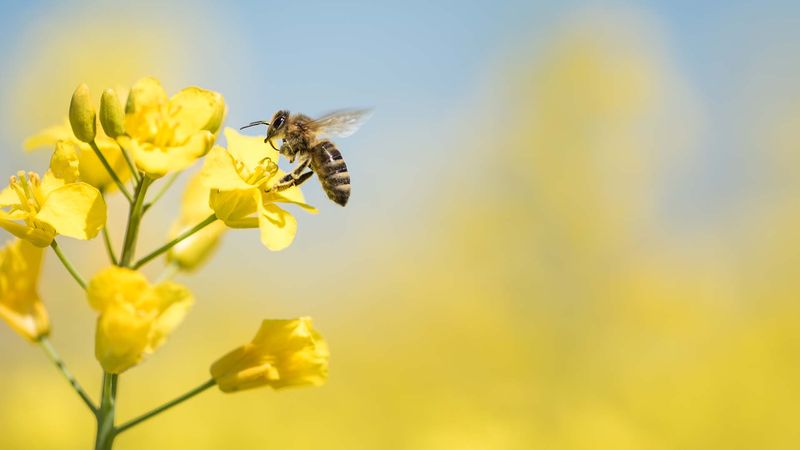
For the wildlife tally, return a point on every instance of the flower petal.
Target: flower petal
(76, 210)
(8, 197)
(250, 150)
(20, 305)
(92, 170)
(219, 171)
(196, 109)
(231, 206)
(40, 235)
(145, 93)
(115, 285)
(278, 227)
(49, 136)
(173, 303)
(122, 337)
(157, 162)
(284, 353)
(292, 195)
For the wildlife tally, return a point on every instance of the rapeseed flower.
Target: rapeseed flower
(38, 208)
(135, 316)
(240, 179)
(284, 353)
(169, 134)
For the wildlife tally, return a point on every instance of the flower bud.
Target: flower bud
(112, 116)
(82, 115)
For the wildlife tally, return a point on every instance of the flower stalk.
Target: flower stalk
(111, 172)
(174, 402)
(134, 220)
(109, 247)
(164, 248)
(68, 265)
(44, 342)
(105, 415)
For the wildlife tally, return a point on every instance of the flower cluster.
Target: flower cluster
(127, 150)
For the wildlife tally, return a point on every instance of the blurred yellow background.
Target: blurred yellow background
(572, 227)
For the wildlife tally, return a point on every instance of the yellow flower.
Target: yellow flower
(195, 250)
(240, 179)
(135, 317)
(167, 135)
(284, 353)
(20, 305)
(36, 209)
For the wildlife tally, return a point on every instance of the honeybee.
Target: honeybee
(300, 137)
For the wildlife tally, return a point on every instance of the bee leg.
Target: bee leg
(293, 178)
(280, 186)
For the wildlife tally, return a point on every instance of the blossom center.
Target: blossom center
(259, 175)
(28, 190)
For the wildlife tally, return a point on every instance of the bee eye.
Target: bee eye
(279, 122)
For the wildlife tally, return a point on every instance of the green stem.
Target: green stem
(109, 247)
(155, 253)
(68, 265)
(44, 342)
(105, 415)
(166, 406)
(111, 172)
(135, 173)
(162, 190)
(134, 220)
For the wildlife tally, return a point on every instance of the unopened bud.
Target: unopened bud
(112, 116)
(82, 115)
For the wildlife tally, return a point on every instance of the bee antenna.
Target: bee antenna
(252, 124)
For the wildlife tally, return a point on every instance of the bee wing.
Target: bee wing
(342, 123)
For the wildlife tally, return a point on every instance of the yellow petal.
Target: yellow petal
(76, 210)
(277, 226)
(92, 170)
(250, 150)
(292, 195)
(8, 197)
(20, 305)
(115, 285)
(219, 171)
(40, 235)
(194, 203)
(196, 109)
(284, 353)
(173, 303)
(121, 338)
(232, 206)
(145, 93)
(64, 163)
(157, 162)
(49, 136)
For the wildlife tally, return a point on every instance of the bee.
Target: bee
(300, 137)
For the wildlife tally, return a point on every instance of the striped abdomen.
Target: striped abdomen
(329, 166)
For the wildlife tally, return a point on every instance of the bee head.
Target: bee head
(277, 126)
